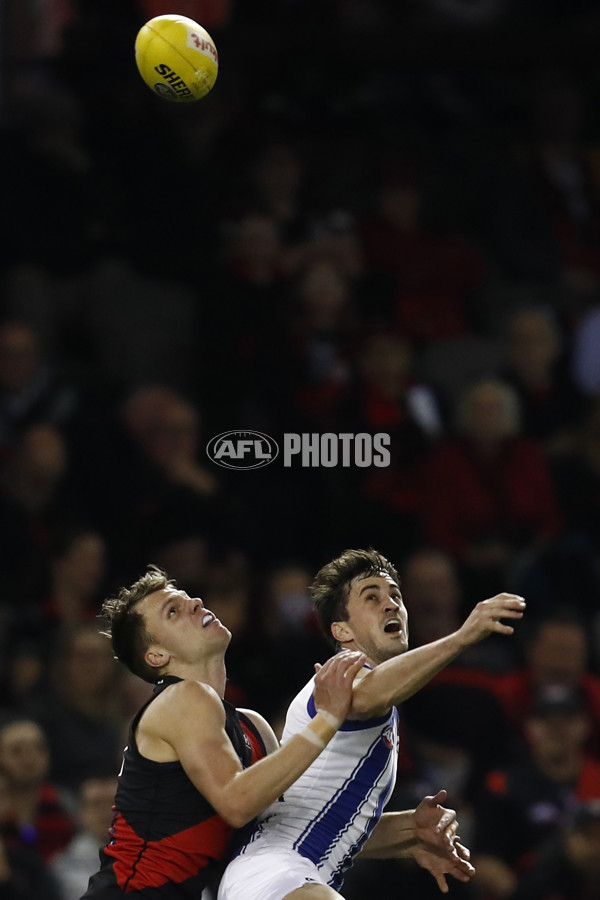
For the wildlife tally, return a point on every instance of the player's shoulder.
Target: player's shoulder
(185, 694)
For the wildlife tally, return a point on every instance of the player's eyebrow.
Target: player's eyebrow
(369, 587)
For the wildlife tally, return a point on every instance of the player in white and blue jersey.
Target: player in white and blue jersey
(305, 841)
(328, 815)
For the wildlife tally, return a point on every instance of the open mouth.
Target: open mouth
(393, 627)
(207, 618)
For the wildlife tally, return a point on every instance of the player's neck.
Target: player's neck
(209, 671)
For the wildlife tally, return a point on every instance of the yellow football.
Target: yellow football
(177, 58)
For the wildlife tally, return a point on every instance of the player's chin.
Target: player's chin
(224, 632)
(390, 649)
(399, 642)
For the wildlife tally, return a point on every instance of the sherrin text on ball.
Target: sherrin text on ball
(177, 58)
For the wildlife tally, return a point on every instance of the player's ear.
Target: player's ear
(156, 657)
(341, 632)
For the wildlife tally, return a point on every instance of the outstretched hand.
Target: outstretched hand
(439, 850)
(486, 616)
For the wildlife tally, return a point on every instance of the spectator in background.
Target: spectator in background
(577, 479)
(162, 491)
(36, 29)
(550, 403)
(277, 180)
(477, 731)
(321, 341)
(388, 397)
(430, 276)
(434, 597)
(185, 554)
(572, 565)
(432, 594)
(77, 570)
(556, 655)
(39, 818)
(488, 491)
(305, 371)
(281, 638)
(79, 708)
(166, 428)
(33, 500)
(69, 580)
(23, 672)
(563, 170)
(334, 236)
(462, 746)
(287, 606)
(31, 391)
(568, 867)
(248, 312)
(73, 866)
(524, 805)
(23, 873)
(49, 157)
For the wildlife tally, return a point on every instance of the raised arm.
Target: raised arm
(191, 720)
(397, 679)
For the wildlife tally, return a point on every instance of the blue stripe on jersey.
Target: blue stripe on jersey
(336, 816)
(349, 724)
(337, 876)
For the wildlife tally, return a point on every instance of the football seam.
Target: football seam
(175, 48)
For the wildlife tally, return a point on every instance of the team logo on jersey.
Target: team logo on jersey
(388, 737)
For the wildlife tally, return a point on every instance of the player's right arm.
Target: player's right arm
(191, 721)
(397, 679)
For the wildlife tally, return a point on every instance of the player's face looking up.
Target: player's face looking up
(181, 627)
(377, 621)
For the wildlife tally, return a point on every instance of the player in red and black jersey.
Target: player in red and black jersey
(186, 781)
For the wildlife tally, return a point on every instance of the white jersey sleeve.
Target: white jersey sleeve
(330, 811)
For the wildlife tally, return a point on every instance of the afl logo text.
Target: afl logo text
(242, 449)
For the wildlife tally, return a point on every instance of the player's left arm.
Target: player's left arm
(397, 832)
(426, 834)
(393, 836)
(264, 729)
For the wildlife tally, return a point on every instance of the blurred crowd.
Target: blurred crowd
(385, 218)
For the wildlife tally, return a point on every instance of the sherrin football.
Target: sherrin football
(177, 58)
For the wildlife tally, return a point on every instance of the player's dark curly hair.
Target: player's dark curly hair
(126, 627)
(331, 586)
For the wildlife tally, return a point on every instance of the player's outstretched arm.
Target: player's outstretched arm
(397, 679)
(192, 722)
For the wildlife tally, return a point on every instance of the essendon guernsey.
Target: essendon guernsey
(166, 838)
